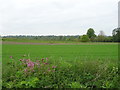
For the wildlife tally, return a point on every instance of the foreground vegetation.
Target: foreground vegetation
(60, 74)
(60, 66)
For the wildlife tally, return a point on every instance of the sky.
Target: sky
(57, 17)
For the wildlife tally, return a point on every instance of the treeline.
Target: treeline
(44, 38)
(90, 36)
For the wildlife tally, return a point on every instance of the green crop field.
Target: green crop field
(78, 66)
(66, 52)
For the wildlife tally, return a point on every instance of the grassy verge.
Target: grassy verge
(47, 73)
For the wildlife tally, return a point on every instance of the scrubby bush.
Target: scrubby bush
(46, 74)
(84, 38)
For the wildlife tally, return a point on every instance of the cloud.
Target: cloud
(56, 17)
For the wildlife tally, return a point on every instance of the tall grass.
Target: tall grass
(48, 73)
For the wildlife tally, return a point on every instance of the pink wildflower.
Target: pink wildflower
(53, 66)
(45, 63)
(23, 60)
(49, 70)
(42, 59)
(46, 59)
(27, 60)
(11, 57)
(37, 62)
(30, 64)
(20, 59)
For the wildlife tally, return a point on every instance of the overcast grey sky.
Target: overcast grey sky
(57, 17)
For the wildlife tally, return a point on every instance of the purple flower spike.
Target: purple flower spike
(27, 60)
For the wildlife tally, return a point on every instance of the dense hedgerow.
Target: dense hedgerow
(45, 73)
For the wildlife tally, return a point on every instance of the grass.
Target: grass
(64, 52)
(78, 66)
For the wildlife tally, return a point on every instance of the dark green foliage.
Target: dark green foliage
(116, 35)
(103, 39)
(84, 38)
(91, 33)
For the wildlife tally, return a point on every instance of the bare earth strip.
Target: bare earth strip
(30, 43)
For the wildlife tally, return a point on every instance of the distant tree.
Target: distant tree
(78, 38)
(108, 39)
(101, 33)
(84, 38)
(101, 37)
(36, 37)
(91, 33)
(71, 38)
(60, 37)
(116, 35)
